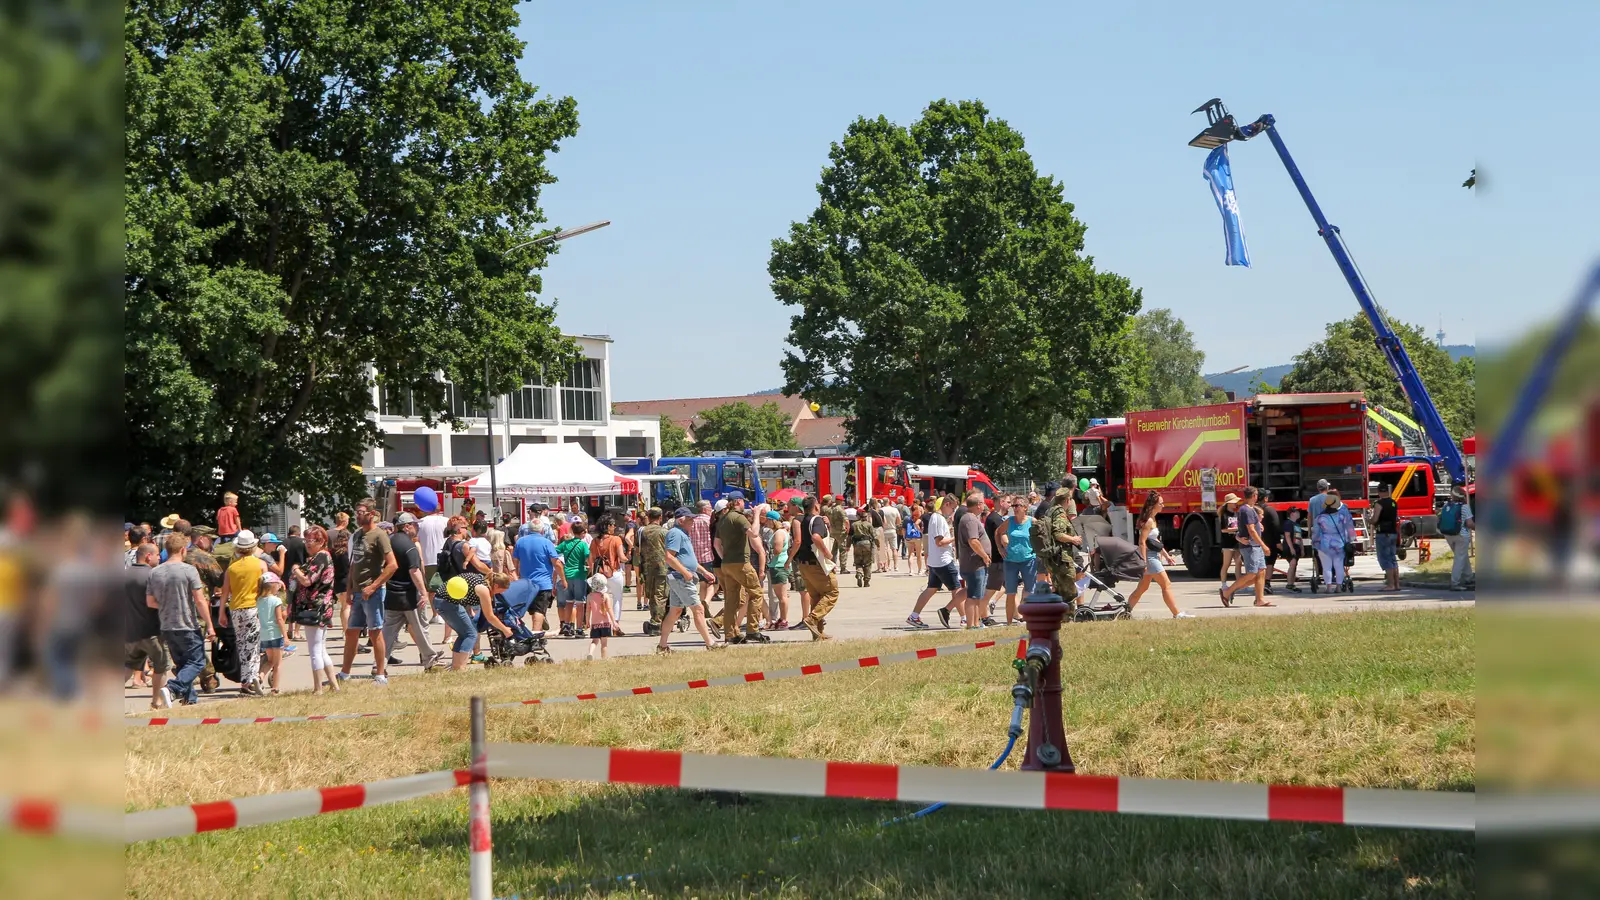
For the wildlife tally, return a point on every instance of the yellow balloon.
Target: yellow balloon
(457, 588)
(815, 407)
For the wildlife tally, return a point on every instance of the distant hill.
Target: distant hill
(1239, 382)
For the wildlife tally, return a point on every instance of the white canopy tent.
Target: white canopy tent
(551, 470)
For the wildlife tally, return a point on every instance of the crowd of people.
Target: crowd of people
(259, 597)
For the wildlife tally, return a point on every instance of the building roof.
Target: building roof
(682, 411)
(820, 431)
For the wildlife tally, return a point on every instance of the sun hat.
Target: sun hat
(405, 519)
(1230, 498)
(245, 539)
(169, 520)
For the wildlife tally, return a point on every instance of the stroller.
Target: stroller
(503, 651)
(1098, 599)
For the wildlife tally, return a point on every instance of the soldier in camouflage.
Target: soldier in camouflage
(653, 568)
(864, 545)
(1064, 542)
(838, 529)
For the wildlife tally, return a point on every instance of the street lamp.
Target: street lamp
(488, 392)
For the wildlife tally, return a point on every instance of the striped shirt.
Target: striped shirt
(700, 537)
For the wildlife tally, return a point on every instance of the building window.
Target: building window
(533, 402)
(581, 395)
(633, 446)
(406, 450)
(469, 450)
(464, 406)
(396, 401)
(589, 443)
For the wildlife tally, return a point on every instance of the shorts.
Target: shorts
(151, 648)
(274, 644)
(778, 576)
(1255, 558)
(576, 592)
(600, 631)
(944, 576)
(682, 594)
(542, 600)
(1152, 565)
(1388, 552)
(976, 582)
(366, 614)
(1022, 575)
(997, 574)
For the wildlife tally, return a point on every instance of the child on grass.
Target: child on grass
(600, 618)
(273, 613)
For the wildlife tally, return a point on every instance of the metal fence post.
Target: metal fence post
(482, 876)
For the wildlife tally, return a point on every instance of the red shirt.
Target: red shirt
(228, 520)
(700, 537)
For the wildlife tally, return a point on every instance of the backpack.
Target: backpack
(1039, 536)
(447, 561)
(1450, 519)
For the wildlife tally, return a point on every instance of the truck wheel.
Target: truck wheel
(1200, 557)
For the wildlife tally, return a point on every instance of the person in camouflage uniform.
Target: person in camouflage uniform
(1064, 542)
(211, 574)
(838, 529)
(864, 545)
(653, 568)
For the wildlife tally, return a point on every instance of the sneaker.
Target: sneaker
(365, 649)
(580, 633)
(780, 625)
(393, 661)
(480, 657)
(289, 648)
(663, 650)
(798, 626)
(944, 617)
(1185, 614)
(380, 679)
(989, 622)
(991, 613)
(192, 700)
(914, 620)
(756, 637)
(436, 620)
(734, 639)
(343, 676)
(166, 697)
(249, 689)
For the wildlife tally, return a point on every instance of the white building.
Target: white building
(577, 411)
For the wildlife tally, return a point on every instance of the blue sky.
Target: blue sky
(704, 126)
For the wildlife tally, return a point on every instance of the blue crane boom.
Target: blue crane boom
(1220, 130)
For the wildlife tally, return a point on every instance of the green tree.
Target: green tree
(674, 439)
(320, 194)
(740, 426)
(1348, 359)
(1169, 363)
(944, 296)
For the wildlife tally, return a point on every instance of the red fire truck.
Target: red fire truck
(1198, 455)
(958, 479)
(854, 479)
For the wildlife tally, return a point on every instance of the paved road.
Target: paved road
(880, 611)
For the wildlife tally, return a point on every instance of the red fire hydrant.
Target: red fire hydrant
(1040, 670)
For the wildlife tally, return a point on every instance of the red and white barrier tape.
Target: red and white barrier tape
(47, 817)
(976, 787)
(177, 821)
(865, 662)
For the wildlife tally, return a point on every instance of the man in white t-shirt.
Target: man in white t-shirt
(942, 572)
(430, 540)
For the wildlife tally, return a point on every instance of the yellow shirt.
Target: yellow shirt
(244, 582)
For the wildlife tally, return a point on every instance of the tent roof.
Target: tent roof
(552, 470)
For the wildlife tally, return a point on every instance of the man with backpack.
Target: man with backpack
(814, 561)
(1457, 525)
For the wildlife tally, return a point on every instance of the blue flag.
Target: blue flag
(1220, 176)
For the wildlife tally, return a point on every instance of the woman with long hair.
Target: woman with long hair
(607, 557)
(462, 614)
(916, 550)
(1156, 557)
(314, 602)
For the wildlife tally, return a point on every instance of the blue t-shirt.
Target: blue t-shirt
(1020, 546)
(535, 555)
(679, 545)
(519, 596)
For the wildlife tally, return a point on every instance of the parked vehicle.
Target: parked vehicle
(956, 479)
(1196, 456)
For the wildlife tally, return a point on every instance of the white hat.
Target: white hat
(850, 513)
(245, 539)
(722, 504)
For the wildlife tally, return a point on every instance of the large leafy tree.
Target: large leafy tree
(320, 193)
(1348, 359)
(944, 297)
(741, 426)
(1168, 364)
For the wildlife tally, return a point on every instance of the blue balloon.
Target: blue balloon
(426, 499)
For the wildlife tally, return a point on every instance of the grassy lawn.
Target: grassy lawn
(1434, 572)
(1371, 699)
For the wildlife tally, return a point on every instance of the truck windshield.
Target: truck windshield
(1088, 455)
(893, 474)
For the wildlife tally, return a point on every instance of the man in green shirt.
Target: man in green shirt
(741, 585)
(653, 568)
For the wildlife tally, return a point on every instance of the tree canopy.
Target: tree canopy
(944, 297)
(740, 426)
(320, 193)
(1348, 359)
(674, 439)
(1169, 364)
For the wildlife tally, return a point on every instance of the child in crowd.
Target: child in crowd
(273, 613)
(601, 621)
(228, 517)
(1290, 548)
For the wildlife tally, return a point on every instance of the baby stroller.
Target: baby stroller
(1116, 560)
(503, 651)
(1317, 580)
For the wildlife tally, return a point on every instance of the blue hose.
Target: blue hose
(1011, 741)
